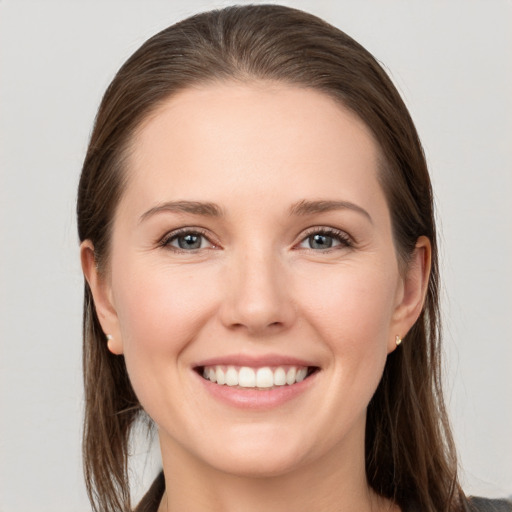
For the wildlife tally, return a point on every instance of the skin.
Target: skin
(257, 286)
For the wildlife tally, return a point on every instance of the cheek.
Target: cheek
(160, 311)
(353, 299)
(352, 313)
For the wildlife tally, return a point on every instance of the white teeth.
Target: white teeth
(301, 375)
(290, 376)
(247, 377)
(264, 378)
(221, 376)
(231, 377)
(279, 377)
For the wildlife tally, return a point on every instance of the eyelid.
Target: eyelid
(165, 240)
(342, 236)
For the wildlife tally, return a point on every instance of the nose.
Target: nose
(257, 295)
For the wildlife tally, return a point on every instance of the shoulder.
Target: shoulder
(488, 505)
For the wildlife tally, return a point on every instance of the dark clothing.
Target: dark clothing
(152, 499)
(485, 505)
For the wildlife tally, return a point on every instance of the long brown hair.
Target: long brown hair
(410, 456)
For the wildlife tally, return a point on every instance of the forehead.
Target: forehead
(258, 138)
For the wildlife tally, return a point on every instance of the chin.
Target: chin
(258, 465)
(256, 456)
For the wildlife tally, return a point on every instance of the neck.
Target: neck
(337, 483)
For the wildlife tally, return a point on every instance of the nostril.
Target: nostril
(255, 327)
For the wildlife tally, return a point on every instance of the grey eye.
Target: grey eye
(188, 241)
(321, 241)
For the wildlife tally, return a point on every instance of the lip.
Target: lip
(256, 399)
(255, 361)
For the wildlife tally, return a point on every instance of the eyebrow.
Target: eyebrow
(193, 207)
(207, 209)
(305, 207)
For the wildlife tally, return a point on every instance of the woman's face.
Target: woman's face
(253, 244)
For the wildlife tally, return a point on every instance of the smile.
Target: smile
(256, 383)
(256, 378)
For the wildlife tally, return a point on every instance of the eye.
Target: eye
(324, 239)
(186, 240)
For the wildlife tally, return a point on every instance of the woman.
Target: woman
(260, 253)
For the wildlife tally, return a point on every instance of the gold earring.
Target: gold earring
(398, 340)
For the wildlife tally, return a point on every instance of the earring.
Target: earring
(114, 345)
(398, 340)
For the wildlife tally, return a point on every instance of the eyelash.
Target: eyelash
(344, 240)
(165, 242)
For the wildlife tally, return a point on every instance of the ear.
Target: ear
(102, 294)
(412, 293)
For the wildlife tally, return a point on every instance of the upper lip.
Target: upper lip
(255, 361)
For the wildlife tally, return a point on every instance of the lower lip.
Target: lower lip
(257, 399)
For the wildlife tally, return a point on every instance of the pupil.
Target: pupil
(320, 241)
(189, 242)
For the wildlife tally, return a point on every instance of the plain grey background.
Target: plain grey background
(451, 60)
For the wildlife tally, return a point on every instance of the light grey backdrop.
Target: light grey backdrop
(452, 62)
